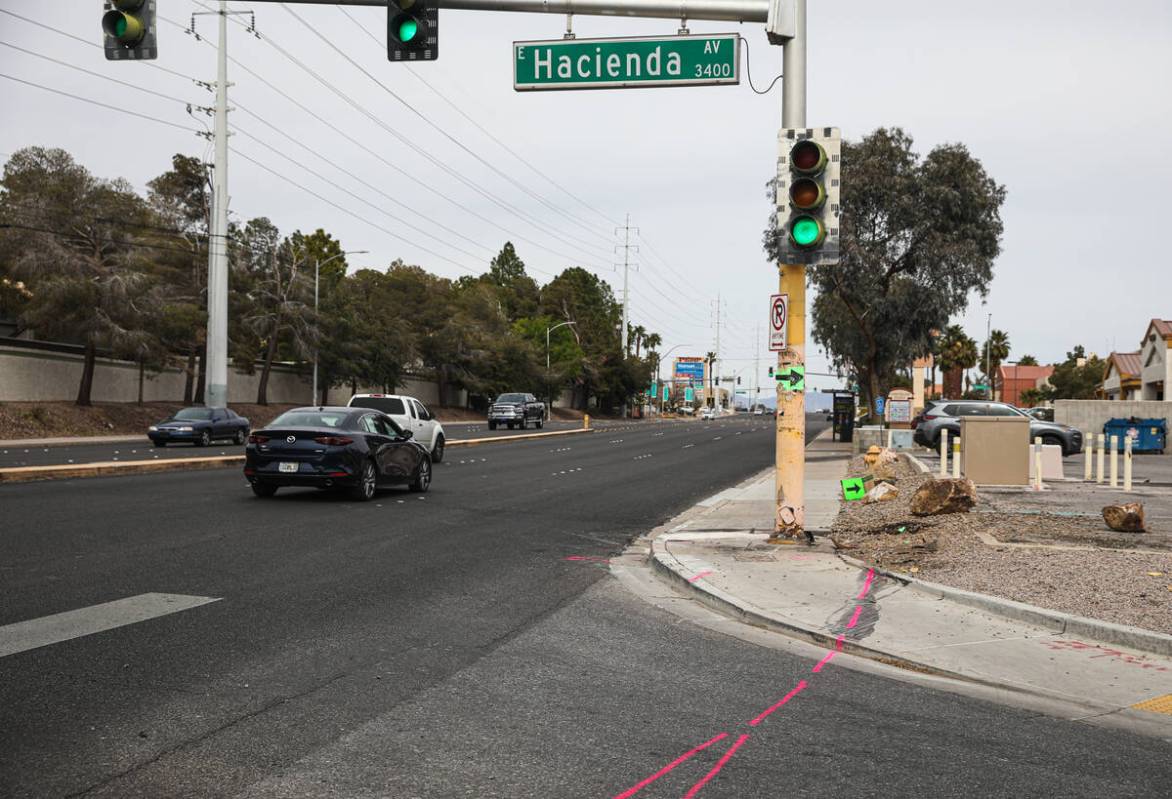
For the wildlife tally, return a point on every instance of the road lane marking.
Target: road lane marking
(35, 633)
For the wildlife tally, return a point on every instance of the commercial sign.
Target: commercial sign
(778, 321)
(627, 63)
(689, 369)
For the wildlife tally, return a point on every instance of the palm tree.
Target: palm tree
(998, 350)
(638, 335)
(958, 352)
(710, 358)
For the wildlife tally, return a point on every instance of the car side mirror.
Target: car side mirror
(406, 434)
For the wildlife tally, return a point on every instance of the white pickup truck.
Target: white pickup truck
(410, 414)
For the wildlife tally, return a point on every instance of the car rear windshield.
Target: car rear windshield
(193, 414)
(511, 398)
(384, 404)
(310, 419)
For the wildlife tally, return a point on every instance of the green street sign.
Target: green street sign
(791, 378)
(689, 394)
(853, 489)
(666, 393)
(627, 63)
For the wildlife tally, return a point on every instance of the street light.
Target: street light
(317, 265)
(548, 388)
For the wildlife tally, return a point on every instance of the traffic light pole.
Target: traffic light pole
(791, 405)
(216, 389)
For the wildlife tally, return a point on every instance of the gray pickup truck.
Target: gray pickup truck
(516, 410)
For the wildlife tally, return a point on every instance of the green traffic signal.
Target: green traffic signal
(127, 29)
(408, 28)
(806, 232)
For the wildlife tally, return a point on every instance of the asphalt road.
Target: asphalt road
(470, 643)
(144, 450)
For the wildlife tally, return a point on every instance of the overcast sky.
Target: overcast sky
(1064, 103)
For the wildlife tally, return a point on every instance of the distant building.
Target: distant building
(1014, 379)
(1122, 381)
(1155, 354)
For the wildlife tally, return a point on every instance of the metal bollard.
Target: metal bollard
(1088, 451)
(956, 457)
(1099, 459)
(585, 421)
(943, 453)
(1115, 461)
(1038, 463)
(1127, 463)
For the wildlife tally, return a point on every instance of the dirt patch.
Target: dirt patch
(1076, 566)
(60, 419)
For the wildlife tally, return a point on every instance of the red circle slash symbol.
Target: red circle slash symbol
(778, 314)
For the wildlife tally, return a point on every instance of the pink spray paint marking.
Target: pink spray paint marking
(838, 642)
(855, 618)
(682, 758)
(829, 657)
(700, 576)
(727, 756)
(801, 686)
(587, 558)
(867, 584)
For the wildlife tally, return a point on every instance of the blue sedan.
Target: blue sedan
(200, 427)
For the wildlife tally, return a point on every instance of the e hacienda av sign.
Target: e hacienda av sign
(627, 63)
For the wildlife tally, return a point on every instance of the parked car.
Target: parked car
(708, 414)
(199, 427)
(946, 415)
(759, 410)
(1042, 414)
(410, 414)
(357, 449)
(516, 410)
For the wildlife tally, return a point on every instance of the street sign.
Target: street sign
(791, 378)
(853, 489)
(666, 393)
(879, 403)
(689, 394)
(627, 63)
(778, 321)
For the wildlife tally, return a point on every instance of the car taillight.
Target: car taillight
(255, 439)
(928, 417)
(333, 441)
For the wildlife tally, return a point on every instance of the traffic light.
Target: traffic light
(808, 195)
(412, 30)
(130, 27)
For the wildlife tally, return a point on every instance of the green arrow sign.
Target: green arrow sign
(791, 378)
(853, 489)
(626, 63)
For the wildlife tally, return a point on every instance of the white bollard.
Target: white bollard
(1038, 463)
(943, 453)
(956, 457)
(1127, 463)
(1088, 451)
(1099, 459)
(1115, 461)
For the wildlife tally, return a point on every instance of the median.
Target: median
(25, 474)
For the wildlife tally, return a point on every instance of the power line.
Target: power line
(97, 103)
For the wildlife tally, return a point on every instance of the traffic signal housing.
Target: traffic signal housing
(412, 30)
(131, 30)
(808, 178)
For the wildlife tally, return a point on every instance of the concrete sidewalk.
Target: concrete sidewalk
(717, 553)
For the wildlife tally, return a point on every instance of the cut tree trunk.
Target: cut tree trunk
(87, 374)
(262, 389)
(201, 380)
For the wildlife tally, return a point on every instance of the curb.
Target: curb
(71, 441)
(25, 474)
(1062, 623)
(729, 605)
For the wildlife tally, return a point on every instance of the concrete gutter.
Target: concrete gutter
(24, 474)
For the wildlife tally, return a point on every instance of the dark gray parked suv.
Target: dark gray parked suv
(946, 415)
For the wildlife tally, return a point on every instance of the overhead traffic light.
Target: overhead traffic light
(808, 195)
(412, 30)
(130, 27)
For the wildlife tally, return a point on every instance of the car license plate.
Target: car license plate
(285, 466)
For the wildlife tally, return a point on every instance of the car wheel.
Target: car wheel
(437, 454)
(205, 439)
(367, 483)
(540, 423)
(422, 479)
(239, 437)
(264, 489)
(1054, 441)
(523, 423)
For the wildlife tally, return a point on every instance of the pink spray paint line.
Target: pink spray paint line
(727, 756)
(855, 618)
(829, 657)
(801, 686)
(682, 758)
(699, 576)
(838, 642)
(588, 558)
(867, 584)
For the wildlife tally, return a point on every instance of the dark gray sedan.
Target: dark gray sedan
(943, 415)
(200, 427)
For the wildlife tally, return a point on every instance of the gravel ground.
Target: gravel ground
(1122, 587)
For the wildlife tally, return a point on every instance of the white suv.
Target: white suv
(410, 414)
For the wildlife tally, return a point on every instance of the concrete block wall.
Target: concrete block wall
(1090, 415)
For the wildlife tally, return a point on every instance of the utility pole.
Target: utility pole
(716, 361)
(756, 366)
(216, 392)
(791, 414)
(626, 247)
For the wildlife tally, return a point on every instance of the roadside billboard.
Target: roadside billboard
(689, 369)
